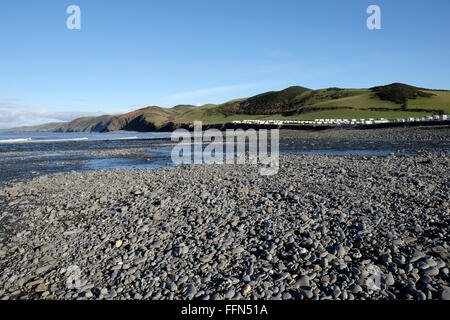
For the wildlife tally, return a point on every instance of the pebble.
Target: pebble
(246, 289)
(445, 293)
(340, 251)
(303, 280)
(389, 280)
(306, 292)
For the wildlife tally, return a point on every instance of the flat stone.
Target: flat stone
(302, 281)
(41, 288)
(44, 269)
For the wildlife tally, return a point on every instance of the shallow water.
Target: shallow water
(42, 153)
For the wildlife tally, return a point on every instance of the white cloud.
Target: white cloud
(13, 115)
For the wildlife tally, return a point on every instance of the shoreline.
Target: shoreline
(224, 231)
(33, 159)
(419, 129)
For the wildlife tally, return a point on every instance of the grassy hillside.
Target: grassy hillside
(325, 103)
(294, 103)
(400, 93)
(146, 119)
(87, 124)
(266, 103)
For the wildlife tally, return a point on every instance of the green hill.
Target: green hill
(294, 103)
(87, 124)
(400, 93)
(266, 103)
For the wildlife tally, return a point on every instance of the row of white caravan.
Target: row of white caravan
(442, 117)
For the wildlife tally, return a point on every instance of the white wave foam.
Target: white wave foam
(15, 140)
(126, 138)
(29, 140)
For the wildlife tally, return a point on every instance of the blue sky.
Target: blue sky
(130, 54)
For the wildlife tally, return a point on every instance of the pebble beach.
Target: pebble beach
(346, 227)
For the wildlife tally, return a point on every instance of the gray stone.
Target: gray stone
(389, 280)
(303, 280)
(444, 293)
